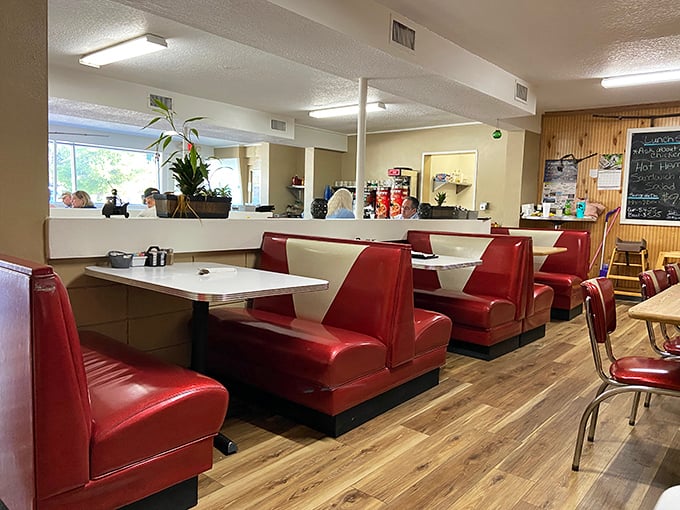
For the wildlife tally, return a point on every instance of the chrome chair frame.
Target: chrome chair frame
(603, 393)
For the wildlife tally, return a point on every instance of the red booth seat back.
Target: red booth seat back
(61, 414)
(573, 261)
(370, 287)
(505, 271)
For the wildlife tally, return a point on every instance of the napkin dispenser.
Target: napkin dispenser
(155, 257)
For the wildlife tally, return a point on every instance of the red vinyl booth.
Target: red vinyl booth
(335, 358)
(495, 307)
(563, 272)
(98, 425)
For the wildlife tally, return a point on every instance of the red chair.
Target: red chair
(673, 272)
(637, 374)
(652, 282)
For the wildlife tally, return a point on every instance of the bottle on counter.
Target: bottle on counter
(567, 208)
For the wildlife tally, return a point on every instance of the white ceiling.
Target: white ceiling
(258, 55)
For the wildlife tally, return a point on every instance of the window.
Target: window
(226, 172)
(98, 170)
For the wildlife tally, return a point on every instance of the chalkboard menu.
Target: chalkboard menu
(651, 184)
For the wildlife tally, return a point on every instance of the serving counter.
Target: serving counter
(87, 237)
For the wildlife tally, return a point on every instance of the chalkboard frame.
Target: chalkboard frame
(624, 219)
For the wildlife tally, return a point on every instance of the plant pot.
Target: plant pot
(168, 206)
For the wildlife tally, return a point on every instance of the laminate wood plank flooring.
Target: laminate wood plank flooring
(491, 435)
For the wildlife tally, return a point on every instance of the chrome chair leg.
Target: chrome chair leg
(591, 410)
(634, 409)
(596, 412)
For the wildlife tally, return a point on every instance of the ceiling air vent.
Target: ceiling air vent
(521, 92)
(167, 101)
(278, 125)
(403, 35)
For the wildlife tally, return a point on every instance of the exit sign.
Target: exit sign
(394, 171)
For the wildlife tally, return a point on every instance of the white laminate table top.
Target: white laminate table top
(222, 284)
(663, 307)
(444, 262)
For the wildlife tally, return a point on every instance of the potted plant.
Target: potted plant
(189, 171)
(440, 198)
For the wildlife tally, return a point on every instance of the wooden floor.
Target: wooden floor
(496, 434)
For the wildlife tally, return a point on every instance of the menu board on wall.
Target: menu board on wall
(651, 183)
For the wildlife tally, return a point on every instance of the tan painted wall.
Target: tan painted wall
(284, 163)
(327, 169)
(500, 163)
(23, 132)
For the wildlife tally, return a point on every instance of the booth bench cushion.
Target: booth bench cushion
(142, 407)
(331, 356)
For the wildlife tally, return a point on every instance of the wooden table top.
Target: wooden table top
(664, 307)
(548, 250)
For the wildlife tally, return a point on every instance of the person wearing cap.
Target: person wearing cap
(150, 201)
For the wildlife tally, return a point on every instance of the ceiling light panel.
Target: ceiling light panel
(641, 79)
(148, 43)
(342, 111)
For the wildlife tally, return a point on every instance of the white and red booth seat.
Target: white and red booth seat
(336, 358)
(87, 421)
(495, 307)
(563, 271)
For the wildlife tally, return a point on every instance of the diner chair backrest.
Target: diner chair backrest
(370, 287)
(506, 271)
(652, 282)
(600, 308)
(573, 261)
(46, 419)
(673, 271)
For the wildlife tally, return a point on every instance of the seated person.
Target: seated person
(340, 205)
(81, 199)
(66, 199)
(150, 201)
(409, 209)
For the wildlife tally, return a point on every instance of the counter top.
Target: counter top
(87, 237)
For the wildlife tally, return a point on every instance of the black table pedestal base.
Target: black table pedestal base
(199, 340)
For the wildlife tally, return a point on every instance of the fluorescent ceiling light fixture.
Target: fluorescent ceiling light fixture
(641, 79)
(346, 110)
(148, 43)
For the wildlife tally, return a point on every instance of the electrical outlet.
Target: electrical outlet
(483, 206)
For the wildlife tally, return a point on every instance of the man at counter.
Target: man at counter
(409, 209)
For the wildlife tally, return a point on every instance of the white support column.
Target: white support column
(309, 182)
(361, 149)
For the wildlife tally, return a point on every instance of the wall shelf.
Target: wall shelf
(459, 186)
(297, 191)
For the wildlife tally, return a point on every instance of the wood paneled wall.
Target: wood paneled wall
(580, 133)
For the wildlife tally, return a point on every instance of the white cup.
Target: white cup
(558, 211)
(546, 209)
